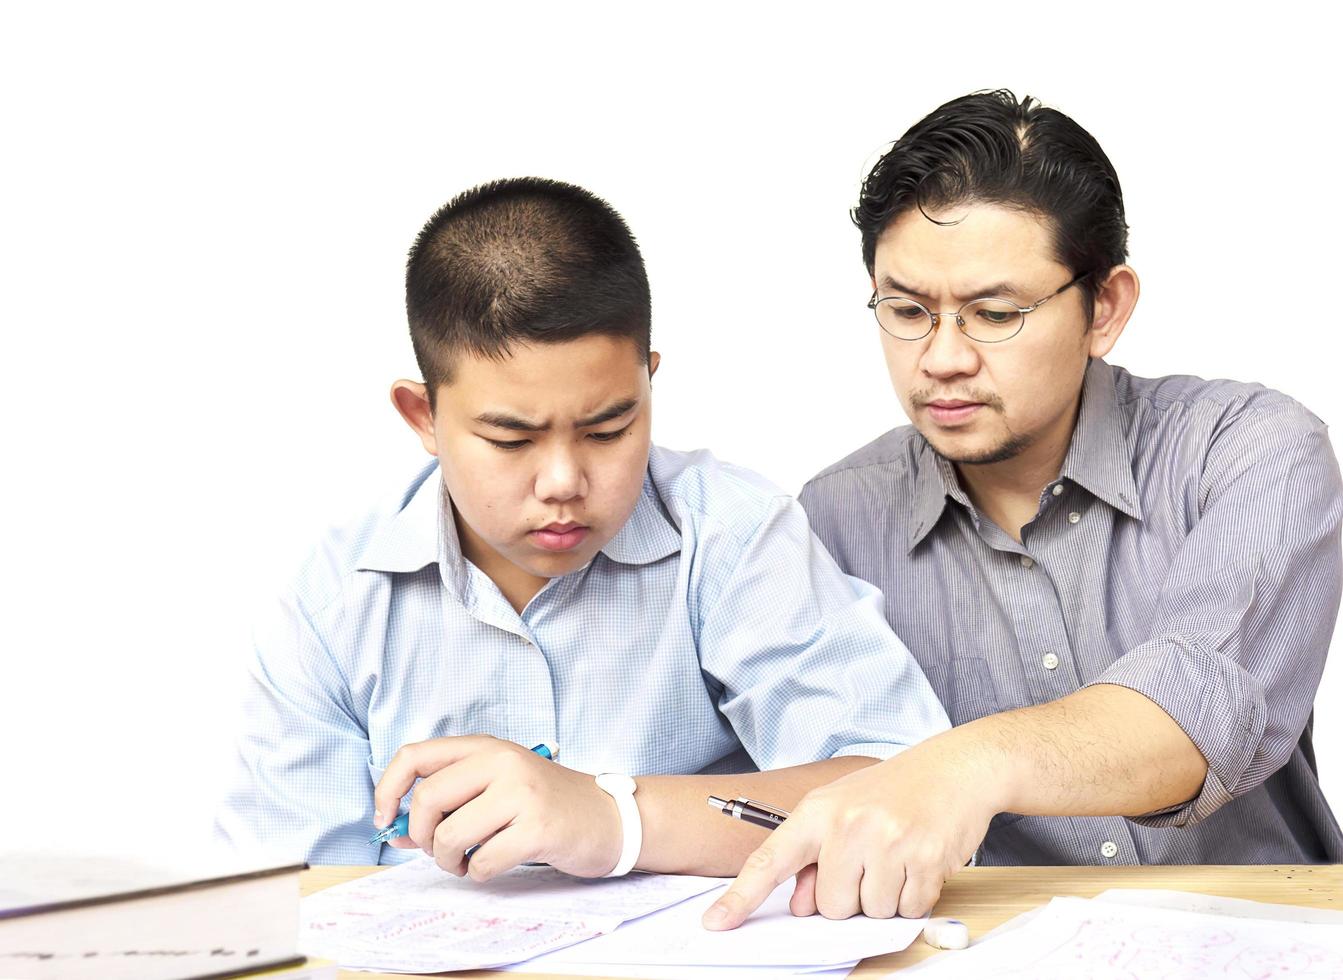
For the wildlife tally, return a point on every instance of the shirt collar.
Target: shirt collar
(419, 534)
(1099, 457)
(649, 535)
(934, 481)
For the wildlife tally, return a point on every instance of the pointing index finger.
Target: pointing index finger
(787, 851)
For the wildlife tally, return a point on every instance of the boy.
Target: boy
(554, 578)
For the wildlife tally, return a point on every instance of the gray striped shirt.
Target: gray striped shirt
(1189, 550)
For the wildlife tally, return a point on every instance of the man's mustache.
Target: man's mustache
(921, 398)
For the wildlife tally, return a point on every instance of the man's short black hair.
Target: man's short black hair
(990, 148)
(522, 261)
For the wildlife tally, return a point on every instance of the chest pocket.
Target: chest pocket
(966, 688)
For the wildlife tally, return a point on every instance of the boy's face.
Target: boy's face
(543, 451)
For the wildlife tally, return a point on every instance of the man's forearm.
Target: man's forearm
(1102, 751)
(683, 835)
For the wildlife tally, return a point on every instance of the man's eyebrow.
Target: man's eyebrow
(503, 420)
(1003, 288)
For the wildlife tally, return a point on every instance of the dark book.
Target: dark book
(64, 918)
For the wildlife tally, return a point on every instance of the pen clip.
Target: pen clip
(764, 807)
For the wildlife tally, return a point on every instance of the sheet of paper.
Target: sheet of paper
(415, 918)
(649, 971)
(1239, 908)
(771, 937)
(1075, 937)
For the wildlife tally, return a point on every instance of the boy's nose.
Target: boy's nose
(560, 478)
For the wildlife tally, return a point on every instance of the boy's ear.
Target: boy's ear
(411, 399)
(654, 359)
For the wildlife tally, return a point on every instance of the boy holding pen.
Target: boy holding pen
(554, 578)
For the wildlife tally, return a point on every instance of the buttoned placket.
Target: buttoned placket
(530, 715)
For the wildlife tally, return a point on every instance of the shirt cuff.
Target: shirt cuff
(872, 750)
(1218, 704)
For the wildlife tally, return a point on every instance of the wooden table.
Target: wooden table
(983, 898)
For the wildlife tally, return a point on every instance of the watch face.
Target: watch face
(615, 782)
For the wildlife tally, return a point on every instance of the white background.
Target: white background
(205, 215)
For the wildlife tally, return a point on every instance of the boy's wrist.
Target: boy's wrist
(629, 835)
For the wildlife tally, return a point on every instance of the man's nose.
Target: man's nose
(949, 352)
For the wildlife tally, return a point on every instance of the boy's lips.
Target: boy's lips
(559, 537)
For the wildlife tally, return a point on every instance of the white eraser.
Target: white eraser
(946, 934)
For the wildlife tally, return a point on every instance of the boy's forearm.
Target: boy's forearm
(682, 834)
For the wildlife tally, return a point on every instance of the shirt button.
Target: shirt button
(1027, 562)
(1050, 661)
(1074, 517)
(1058, 489)
(1108, 849)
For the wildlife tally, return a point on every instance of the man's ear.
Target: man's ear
(1115, 301)
(654, 359)
(412, 401)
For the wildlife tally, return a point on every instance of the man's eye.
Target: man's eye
(608, 436)
(508, 444)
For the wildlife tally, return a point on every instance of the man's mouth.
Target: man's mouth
(951, 411)
(559, 537)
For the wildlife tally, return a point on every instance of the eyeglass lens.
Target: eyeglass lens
(985, 320)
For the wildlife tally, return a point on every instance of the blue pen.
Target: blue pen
(400, 827)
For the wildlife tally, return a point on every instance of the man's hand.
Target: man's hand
(520, 807)
(881, 841)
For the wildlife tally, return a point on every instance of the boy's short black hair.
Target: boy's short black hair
(988, 147)
(524, 260)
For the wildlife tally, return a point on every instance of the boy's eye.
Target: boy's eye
(608, 436)
(507, 444)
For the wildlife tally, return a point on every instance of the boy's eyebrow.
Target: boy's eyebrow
(502, 420)
(607, 414)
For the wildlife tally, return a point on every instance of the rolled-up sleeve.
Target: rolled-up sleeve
(1247, 608)
(807, 665)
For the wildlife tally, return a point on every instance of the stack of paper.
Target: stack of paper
(772, 943)
(415, 918)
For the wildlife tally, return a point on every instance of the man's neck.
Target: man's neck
(1008, 492)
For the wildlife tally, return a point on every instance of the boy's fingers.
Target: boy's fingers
(415, 761)
(475, 821)
(444, 793)
(771, 864)
(505, 850)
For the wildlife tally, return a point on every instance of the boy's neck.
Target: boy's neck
(517, 584)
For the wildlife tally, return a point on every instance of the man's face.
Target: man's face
(544, 451)
(974, 402)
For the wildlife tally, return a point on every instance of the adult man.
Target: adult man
(1147, 571)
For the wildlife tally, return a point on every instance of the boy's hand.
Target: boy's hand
(475, 789)
(881, 841)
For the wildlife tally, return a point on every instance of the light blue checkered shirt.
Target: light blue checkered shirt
(713, 633)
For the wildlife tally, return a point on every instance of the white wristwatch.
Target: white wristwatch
(621, 789)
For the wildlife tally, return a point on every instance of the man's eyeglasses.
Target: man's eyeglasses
(988, 320)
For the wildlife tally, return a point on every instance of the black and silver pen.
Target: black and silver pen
(751, 811)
